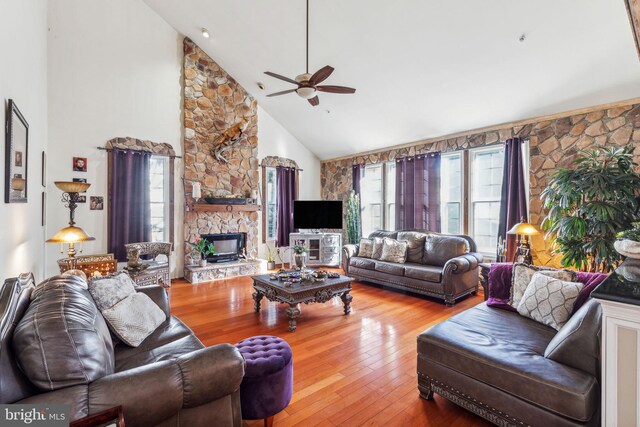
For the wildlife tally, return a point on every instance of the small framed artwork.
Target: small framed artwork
(82, 199)
(16, 155)
(79, 179)
(44, 169)
(96, 203)
(79, 164)
(44, 208)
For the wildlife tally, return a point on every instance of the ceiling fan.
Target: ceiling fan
(308, 85)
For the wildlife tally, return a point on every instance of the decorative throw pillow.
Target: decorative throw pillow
(394, 251)
(134, 318)
(522, 274)
(131, 316)
(415, 244)
(549, 301)
(365, 249)
(377, 248)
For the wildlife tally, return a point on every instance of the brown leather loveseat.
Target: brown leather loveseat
(438, 265)
(171, 379)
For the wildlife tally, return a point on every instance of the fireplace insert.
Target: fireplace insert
(229, 246)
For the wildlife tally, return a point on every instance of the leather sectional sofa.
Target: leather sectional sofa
(447, 266)
(514, 371)
(171, 379)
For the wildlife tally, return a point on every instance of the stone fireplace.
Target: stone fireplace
(215, 108)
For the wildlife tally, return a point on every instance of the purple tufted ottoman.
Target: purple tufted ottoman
(268, 378)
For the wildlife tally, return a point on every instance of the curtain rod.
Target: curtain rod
(173, 156)
(288, 167)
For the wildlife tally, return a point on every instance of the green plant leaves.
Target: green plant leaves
(590, 204)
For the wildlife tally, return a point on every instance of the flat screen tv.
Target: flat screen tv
(317, 214)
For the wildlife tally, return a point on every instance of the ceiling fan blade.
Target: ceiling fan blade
(314, 101)
(278, 76)
(284, 92)
(321, 75)
(335, 89)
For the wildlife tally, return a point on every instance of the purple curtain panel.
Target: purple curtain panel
(418, 192)
(356, 173)
(286, 185)
(513, 203)
(129, 208)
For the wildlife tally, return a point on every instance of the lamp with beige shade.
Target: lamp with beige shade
(523, 230)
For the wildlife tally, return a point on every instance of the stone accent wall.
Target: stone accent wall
(213, 104)
(553, 144)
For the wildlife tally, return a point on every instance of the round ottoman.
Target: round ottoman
(268, 378)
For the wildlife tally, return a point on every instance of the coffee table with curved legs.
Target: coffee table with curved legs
(303, 292)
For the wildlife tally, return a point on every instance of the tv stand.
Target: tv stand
(324, 248)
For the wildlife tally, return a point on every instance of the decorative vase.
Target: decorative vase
(202, 262)
(271, 265)
(299, 260)
(628, 248)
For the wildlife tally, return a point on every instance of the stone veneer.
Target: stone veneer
(213, 103)
(553, 143)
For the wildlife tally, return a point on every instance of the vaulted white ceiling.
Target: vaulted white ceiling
(422, 68)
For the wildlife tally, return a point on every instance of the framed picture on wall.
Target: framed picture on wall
(79, 179)
(96, 203)
(16, 155)
(79, 164)
(44, 169)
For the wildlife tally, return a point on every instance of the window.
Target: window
(485, 184)
(159, 198)
(270, 203)
(377, 193)
(451, 209)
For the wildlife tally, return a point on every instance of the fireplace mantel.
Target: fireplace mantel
(206, 207)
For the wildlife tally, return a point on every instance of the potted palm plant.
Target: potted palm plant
(589, 205)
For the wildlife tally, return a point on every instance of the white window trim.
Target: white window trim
(270, 239)
(462, 199)
(166, 196)
(470, 212)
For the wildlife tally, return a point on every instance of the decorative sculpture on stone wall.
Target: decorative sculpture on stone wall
(229, 139)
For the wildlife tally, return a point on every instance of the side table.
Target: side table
(110, 417)
(485, 267)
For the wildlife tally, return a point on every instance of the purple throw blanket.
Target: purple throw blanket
(500, 286)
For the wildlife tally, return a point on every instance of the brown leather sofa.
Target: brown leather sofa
(438, 265)
(514, 371)
(171, 379)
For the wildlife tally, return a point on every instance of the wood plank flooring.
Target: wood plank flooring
(352, 370)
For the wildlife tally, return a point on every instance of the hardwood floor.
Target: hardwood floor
(358, 369)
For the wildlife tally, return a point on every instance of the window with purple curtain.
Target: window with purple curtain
(513, 203)
(129, 201)
(418, 192)
(286, 188)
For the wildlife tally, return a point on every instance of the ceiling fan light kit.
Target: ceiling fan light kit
(307, 83)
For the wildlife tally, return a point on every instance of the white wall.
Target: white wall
(275, 140)
(23, 78)
(114, 71)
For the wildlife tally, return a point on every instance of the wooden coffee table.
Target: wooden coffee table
(303, 292)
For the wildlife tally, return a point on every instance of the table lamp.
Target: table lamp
(71, 234)
(523, 230)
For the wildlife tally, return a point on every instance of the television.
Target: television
(317, 214)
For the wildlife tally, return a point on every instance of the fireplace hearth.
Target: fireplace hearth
(229, 246)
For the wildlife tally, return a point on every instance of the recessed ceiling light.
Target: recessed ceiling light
(328, 111)
(205, 33)
(523, 37)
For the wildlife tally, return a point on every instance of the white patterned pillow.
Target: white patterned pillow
(377, 248)
(549, 301)
(394, 251)
(365, 249)
(107, 291)
(522, 275)
(134, 318)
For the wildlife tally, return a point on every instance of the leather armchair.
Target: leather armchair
(348, 251)
(171, 379)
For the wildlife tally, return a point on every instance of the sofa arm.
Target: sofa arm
(210, 373)
(463, 263)
(348, 251)
(148, 394)
(157, 295)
